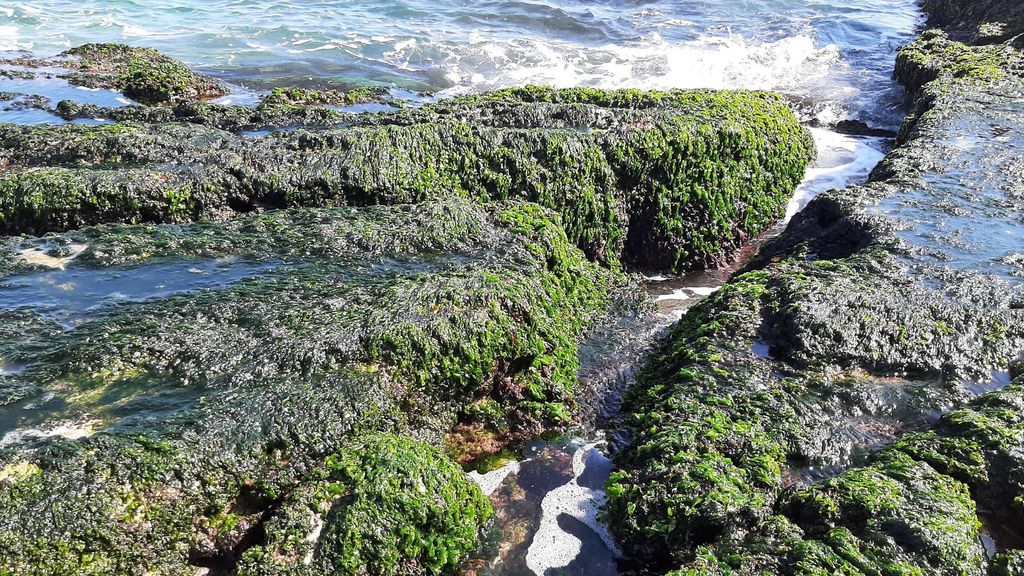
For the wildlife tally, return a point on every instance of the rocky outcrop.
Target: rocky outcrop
(143, 74)
(756, 429)
(671, 181)
(244, 411)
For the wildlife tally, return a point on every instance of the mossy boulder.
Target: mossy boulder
(393, 506)
(262, 405)
(667, 181)
(143, 74)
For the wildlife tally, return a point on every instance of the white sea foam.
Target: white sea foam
(69, 430)
(553, 547)
(677, 294)
(796, 64)
(130, 31)
(704, 290)
(841, 160)
(10, 39)
(490, 481)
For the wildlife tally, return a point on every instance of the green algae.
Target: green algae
(672, 187)
(143, 74)
(910, 511)
(980, 446)
(271, 393)
(737, 458)
(301, 97)
(934, 55)
(394, 506)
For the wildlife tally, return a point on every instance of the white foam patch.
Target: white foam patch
(795, 64)
(677, 294)
(842, 160)
(552, 547)
(130, 31)
(69, 430)
(490, 481)
(38, 256)
(704, 290)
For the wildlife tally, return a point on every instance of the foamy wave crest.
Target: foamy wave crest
(796, 65)
(10, 39)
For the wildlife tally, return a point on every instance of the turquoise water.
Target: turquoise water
(836, 56)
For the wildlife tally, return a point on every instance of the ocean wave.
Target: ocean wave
(796, 64)
(828, 56)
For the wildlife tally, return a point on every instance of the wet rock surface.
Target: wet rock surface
(667, 181)
(240, 351)
(842, 406)
(225, 427)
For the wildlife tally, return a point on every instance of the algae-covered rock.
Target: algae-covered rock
(897, 516)
(301, 97)
(935, 55)
(756, 428)
(393, 506)
(715, 424)
(982, 445)
(281, 108)
(220, 406)
(982, 21)
(1009, 563)
(668, 181)
(143, 74)
(913, 510)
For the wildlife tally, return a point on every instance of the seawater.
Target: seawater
(837, 56)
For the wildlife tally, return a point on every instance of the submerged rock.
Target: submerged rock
(775, 430)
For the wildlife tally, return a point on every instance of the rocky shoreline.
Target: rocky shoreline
(267, 354)
(262, 339)
(756, 428)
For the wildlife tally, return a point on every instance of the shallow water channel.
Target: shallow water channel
(549, 493)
